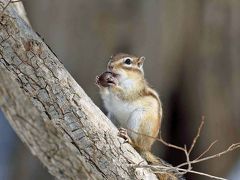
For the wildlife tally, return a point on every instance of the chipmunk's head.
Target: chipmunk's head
(126, 66)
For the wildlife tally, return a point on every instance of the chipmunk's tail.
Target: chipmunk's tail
(170, 174)
(152, 159)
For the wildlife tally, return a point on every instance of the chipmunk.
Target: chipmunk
(133, 106)
(131, 102)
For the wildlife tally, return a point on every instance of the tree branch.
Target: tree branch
(180, 171)
(52, 114)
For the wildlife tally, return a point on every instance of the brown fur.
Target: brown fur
(118, 56)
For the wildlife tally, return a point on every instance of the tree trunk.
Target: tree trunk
(52, 114)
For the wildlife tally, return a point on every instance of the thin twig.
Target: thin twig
(197, 136)
(201, 173)
(208, 149)
(160, 168)
(197, 172)
(159, 139)
(168, 144)
(229, 149)
(188, 162)
(187, 158)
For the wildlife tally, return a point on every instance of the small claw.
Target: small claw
(126, 141)
(123, 134)
(97, 80)
(123, 129)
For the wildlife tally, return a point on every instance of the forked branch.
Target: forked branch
(187, 153)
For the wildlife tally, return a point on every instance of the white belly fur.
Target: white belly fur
(119, 109)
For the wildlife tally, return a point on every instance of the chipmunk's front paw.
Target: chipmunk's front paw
(106, 79)
(123, 134)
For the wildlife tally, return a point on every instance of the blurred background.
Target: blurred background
(192, 51)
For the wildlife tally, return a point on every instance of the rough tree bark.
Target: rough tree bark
(52, 114)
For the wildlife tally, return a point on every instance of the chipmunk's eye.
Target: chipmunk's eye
(128, 61)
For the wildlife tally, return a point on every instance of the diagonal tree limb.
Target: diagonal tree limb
(52, 114)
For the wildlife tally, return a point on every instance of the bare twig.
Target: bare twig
(187, 157)
(204, 152)
(202, 174)
(229, 149)
(168, 144)
(197, 136)
(160, 139)
(197, 172)
(161, 169)
(187, 152)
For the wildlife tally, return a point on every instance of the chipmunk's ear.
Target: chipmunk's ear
(141, 61)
